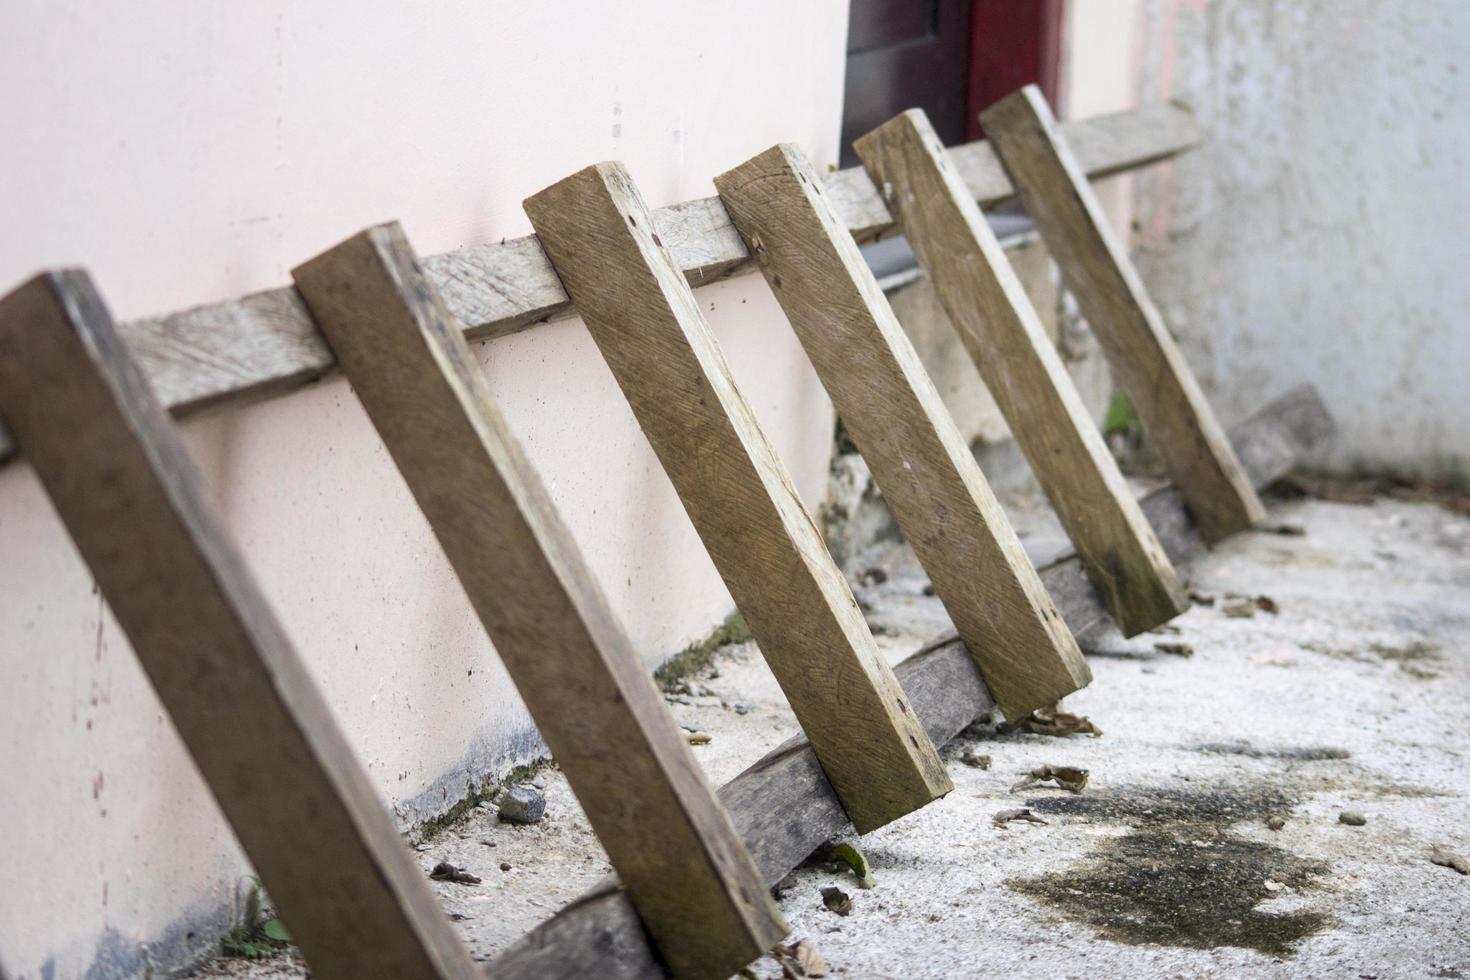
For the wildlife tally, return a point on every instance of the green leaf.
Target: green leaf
(1121, 419)
(854, 859)
(276, 929)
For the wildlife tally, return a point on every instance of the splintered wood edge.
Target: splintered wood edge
(266, 344)
(784, 807)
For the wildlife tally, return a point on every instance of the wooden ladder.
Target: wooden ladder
(87, 402)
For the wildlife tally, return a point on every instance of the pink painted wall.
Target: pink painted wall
(188, 152)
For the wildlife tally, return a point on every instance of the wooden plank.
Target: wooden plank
(685, 870)
(920, 461)
(1000, 330)
(645, 320)
(1146, 361)
(238, 694)
(265, 343)
(783, 805)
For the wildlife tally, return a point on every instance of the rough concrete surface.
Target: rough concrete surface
(1327, 199)
(1353, 696)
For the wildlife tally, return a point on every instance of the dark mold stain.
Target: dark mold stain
(1307, 753)
(1415, 657)
(1182, 877)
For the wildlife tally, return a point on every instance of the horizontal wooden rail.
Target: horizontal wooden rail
(784, 807)
(266, 343)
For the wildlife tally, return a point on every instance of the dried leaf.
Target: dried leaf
(970, 758)
(809, 962)
(1067, 777)
(697, 738)
(784, 956)
(854, 859)
(1054, 721)
(1175, 649)
(444, 871)
(1442, 855)
(837, 901)
(1006, 816)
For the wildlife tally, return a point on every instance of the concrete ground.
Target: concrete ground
(1330, 675)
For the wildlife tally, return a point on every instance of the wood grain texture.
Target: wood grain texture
(647, 324)
(926, 472)
(685, 870)
(988, 306)
(1146, 361)
(261, 734)
(782, 804)
(265, 343)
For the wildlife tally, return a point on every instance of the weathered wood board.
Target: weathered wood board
(783, 805)
(237, 692)
(927, 474)
(647, 324)
(264, 344)
(687, 872)
(1000, 330)
(1145, 359)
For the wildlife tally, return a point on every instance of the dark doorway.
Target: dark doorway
(950, 58)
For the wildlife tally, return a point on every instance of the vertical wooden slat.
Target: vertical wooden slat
(999, 327)
(685, 869)
(920, 461)
(641, 313)
(1146, 361)
(238, 694)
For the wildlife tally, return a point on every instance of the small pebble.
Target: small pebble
(1352, 818)
(504, 865)
(697, 738)
(522, 803)
(741, 708)
(837, 900)
(1275, 822)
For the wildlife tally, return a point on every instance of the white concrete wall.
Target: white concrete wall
(1321, 233)
(186, 152)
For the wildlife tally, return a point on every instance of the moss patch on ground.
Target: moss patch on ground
(699, 657)
(1183, 877)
